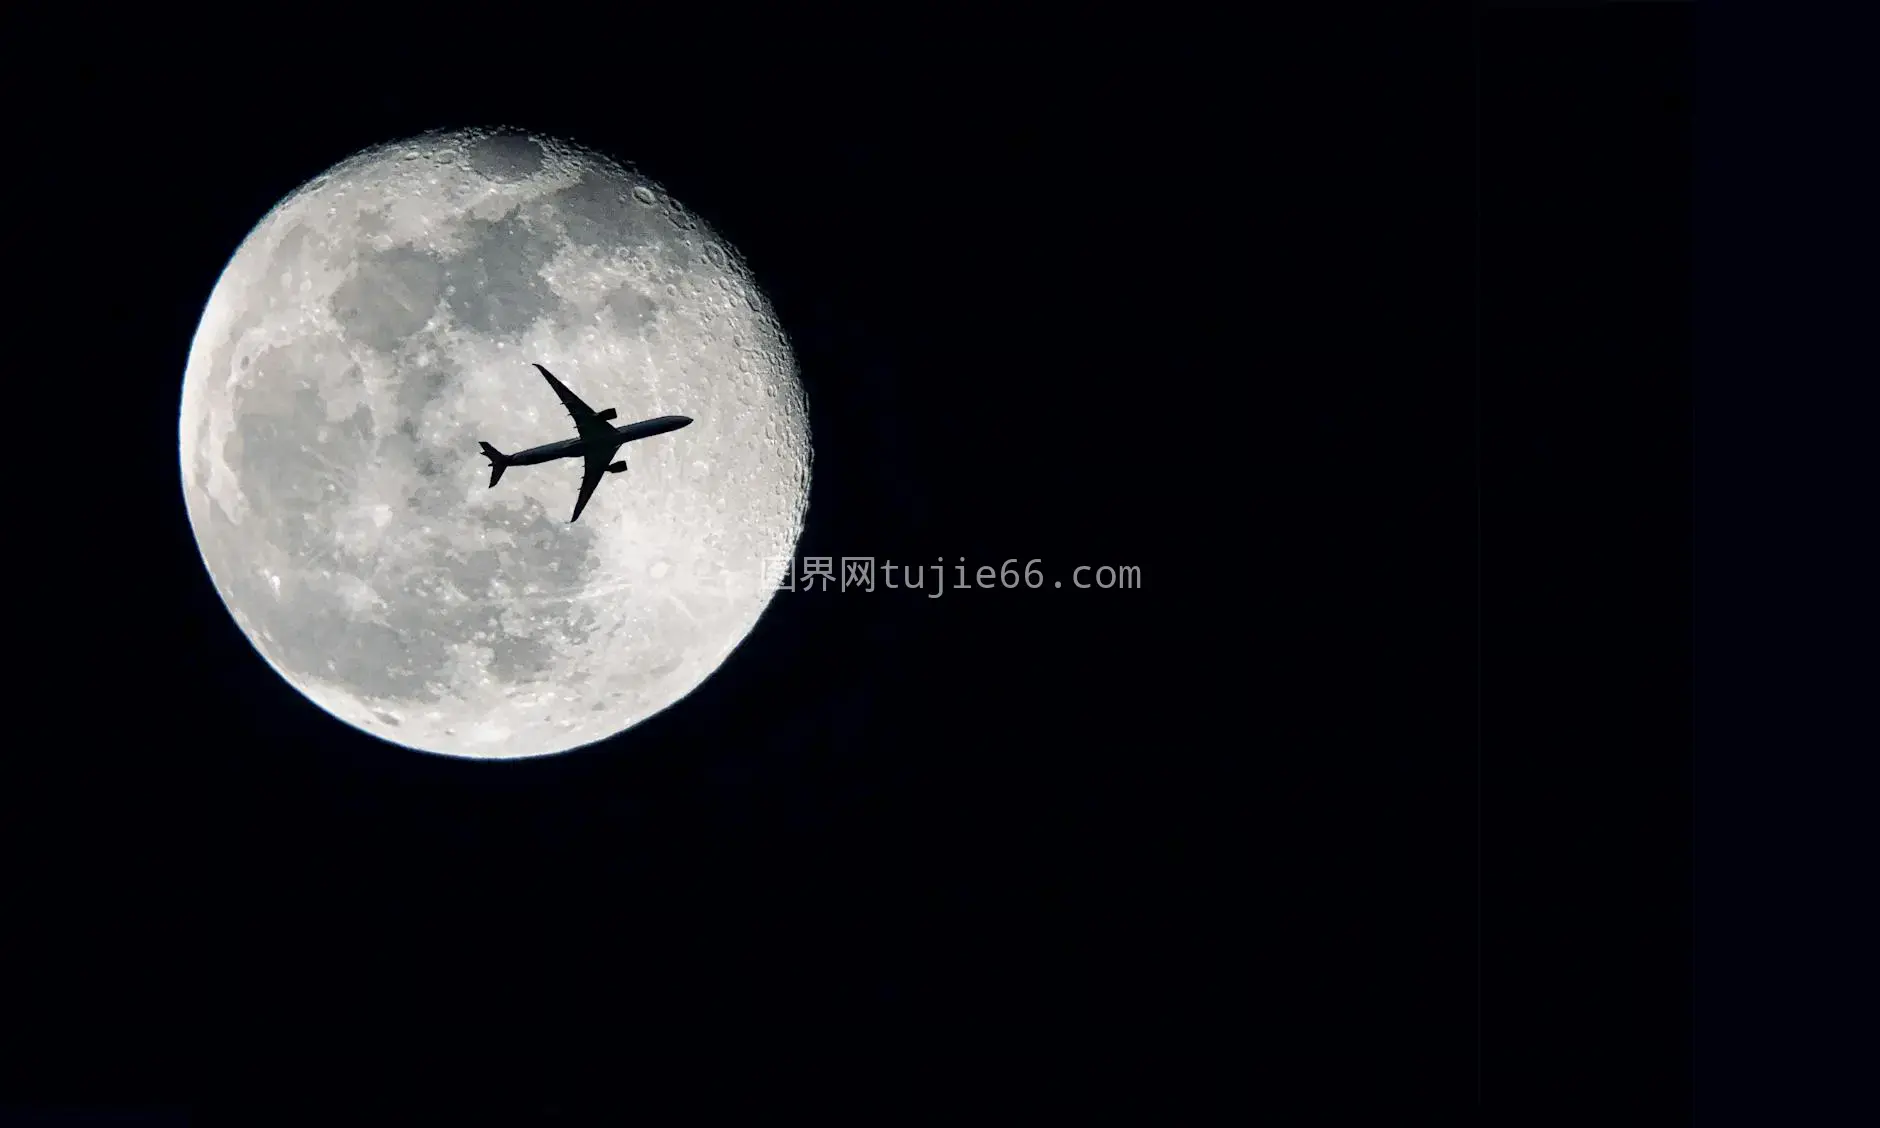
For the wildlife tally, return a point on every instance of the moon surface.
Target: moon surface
(380, 322)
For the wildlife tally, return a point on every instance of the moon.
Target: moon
(382, 320)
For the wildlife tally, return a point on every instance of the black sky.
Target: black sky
(1202, 311)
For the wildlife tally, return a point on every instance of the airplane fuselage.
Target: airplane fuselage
(578, 447)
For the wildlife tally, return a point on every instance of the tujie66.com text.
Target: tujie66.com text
(865, 573)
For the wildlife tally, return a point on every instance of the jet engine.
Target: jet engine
(617, 467)
(608, 414)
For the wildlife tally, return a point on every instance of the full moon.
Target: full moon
(378, 324)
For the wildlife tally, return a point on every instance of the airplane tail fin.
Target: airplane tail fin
(498, 463)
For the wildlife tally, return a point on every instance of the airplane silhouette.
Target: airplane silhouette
(596, 443)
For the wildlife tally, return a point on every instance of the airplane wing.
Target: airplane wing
(586, 420)
(593, 470)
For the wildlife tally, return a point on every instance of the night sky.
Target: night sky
(1208, 319)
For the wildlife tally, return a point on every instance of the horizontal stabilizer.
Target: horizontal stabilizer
(498, 463)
